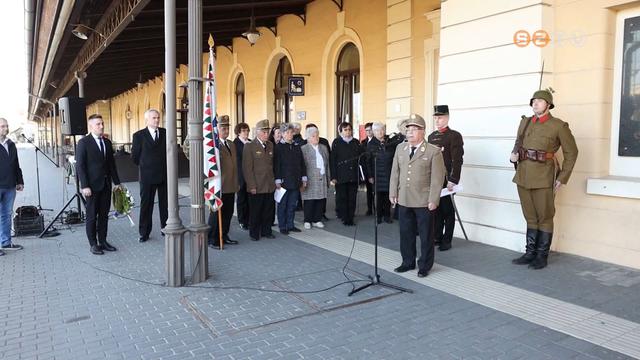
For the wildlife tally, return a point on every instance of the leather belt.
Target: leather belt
(534, 155)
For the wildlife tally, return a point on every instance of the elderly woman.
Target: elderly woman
(379, 163)
(345, 174)
(242, 200)
(290, 174)
(316, 159)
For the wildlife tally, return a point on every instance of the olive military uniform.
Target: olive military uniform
(537, 171)
(416, 179)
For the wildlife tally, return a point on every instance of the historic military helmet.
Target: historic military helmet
(263, 125)
(415, 120)
(544, 95)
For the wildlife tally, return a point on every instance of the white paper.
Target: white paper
(278, 194)
(445, 191)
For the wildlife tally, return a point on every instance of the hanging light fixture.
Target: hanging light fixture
(81, 31)
(252, 34)
(139, 83)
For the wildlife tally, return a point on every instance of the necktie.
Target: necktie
(264, 146)
(101, 146)
(156, 136)
(227, 145)
(413, 151)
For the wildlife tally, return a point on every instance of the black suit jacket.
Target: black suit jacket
(92, 167)
(150, 156)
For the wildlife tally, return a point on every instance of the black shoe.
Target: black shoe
(348, 223)
(295, 229)
(270, 236)
(543, 244)
(162, 233)
(388, 221)
(229, 242)
(244, 227)
(12, 247)
(379, 221)
(444, 246)
(142, 239)
(422, 273)
(369, 213)
(437, 242)
(530, 249)
(214, 246)
(255, 239)
(325, 218)
(108, 247)
(284, 232)
(404, 268)
(1, 252)
(95, 250)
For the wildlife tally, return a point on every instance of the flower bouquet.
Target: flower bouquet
(122, 203)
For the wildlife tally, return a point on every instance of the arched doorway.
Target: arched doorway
(240, 99)
(283, 103)
(348, 86)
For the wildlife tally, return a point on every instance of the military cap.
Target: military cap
(263, 125)
(415, 120)
(223, 120)
(544, 95)
(440, 110)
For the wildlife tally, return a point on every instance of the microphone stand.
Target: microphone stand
(375, 279)
(38, 170)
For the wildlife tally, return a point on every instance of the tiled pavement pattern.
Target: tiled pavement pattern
(54, 303)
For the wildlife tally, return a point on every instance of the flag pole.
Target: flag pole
(215, 113)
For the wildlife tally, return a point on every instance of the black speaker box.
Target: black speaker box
(73, 114)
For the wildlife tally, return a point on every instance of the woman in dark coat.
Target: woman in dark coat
(379, 161)
(291, 174)
(242, 200)
(345, 173)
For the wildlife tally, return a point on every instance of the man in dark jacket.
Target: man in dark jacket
(242, 201)
(149, 152)
(451, 144)
(96, 170)
(368, 130)
(10, 181)
(379, 161)
(291, 174)
(345, 172)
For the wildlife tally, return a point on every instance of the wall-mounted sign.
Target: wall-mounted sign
(296, 86)
(301, 115)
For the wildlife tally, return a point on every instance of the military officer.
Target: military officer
(257, 166)
(450, 143)
(230, 185)
(538, 176)
(417, 175)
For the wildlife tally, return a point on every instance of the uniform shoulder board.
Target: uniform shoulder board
(523, 117)
(434, 146)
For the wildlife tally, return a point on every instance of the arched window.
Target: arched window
(240, 99)
(348, 86)
(282, 101)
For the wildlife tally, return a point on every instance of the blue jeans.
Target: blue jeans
(287, 209)
(7, 196)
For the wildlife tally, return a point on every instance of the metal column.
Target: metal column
(198, 227)
(174, 231)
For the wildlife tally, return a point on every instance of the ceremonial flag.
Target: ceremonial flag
(212, 174)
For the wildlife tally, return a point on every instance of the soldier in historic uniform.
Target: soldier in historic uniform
(257, 165)
(229, 170)
(417, 175)
(450, 143)
(538, 175)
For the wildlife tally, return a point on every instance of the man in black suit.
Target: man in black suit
(96, 170)
(149, 152)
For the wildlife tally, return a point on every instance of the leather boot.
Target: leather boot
(542, 250)
(530, 252)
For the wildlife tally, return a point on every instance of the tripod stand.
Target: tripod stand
(75, 196)
(375, 279)
(37, 149)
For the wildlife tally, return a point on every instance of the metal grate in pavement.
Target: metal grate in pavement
(583, 323)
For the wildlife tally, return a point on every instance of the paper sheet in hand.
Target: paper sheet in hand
(445, 191)
(278, 194)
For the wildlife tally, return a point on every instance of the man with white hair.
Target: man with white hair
(149, 152)
(10, 181)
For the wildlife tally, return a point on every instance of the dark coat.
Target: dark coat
(92, 167)
(239, 151)
(345, 158)
(288, 166)
(10, 172)
(379, 162)
(451, 144)
(150, 156)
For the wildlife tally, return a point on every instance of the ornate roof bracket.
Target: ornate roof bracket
(117, 17)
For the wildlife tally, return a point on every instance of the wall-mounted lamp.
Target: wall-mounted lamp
(252, 34)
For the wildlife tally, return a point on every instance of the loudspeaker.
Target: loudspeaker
(73, 114)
